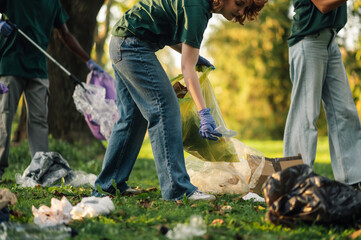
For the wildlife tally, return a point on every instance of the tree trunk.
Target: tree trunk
(64, 120)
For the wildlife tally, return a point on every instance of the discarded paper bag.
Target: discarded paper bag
(273, 165)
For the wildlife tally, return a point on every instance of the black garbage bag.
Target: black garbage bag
(298, 193)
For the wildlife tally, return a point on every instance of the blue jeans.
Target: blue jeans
(146, 101)
(318, 74)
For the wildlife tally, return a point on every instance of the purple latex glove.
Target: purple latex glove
(93, 66)
(3, 88)
(5, 29)
(207, 125)
(204, 62)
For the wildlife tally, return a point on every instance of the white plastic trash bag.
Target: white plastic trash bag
(90, 207)
(93, 102)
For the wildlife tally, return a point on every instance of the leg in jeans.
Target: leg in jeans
(36, 98)
(8, 105)
(150, 102)
(344, 129)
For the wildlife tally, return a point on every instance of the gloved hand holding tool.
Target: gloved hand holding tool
(93, 66)
(5, 29)
(207, 125)
(204, 62)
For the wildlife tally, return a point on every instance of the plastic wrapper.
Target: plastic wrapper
(222, 166)
(98, 104)
(196, 227)
(297, 193)
(90, 207)
(30, 231)
(48, 169)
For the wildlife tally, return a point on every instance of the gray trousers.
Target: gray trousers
(36, 99)
(318, 75)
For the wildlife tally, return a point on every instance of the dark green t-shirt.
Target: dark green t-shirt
(309, 20)
(166, 22)
(36, 18)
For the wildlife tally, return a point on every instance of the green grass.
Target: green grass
(141, 217)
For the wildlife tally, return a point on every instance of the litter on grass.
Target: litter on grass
(49, 168)
(90, 207)
(61, 211)
(182, 231)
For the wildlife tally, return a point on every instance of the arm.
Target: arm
(189, 60)
(72, 43)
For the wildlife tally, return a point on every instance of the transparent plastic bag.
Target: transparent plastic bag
(221, 150)
(222, 166)
(227, 177)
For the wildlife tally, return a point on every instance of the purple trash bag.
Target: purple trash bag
(3, 88)
(102, 79)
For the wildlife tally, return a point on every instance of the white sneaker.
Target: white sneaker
(199, 195)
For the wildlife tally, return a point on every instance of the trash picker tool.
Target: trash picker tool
(71, 76)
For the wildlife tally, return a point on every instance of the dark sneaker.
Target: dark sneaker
(131, 191)
(199, 195)
(357, 186)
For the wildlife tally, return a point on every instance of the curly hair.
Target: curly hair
(250, 13)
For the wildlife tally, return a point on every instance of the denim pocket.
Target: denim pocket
(115, 49)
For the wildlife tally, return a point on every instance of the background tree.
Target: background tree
(64, 120)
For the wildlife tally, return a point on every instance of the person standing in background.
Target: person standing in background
(318, 75)
(23, 68)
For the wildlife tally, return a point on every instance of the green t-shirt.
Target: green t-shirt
(166, 22)
(309, 20)
(36, 18)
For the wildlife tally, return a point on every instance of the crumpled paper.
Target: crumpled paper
(62, 212)
(58, 213)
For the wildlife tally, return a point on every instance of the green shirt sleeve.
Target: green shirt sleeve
(195, 23)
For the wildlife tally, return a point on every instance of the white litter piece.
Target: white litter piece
(58, 213)
(253, 196)
(91, 207)
(196, 227)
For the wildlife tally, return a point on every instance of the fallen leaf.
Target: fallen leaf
(217, 221)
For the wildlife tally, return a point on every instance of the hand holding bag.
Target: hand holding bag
(326, 6)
